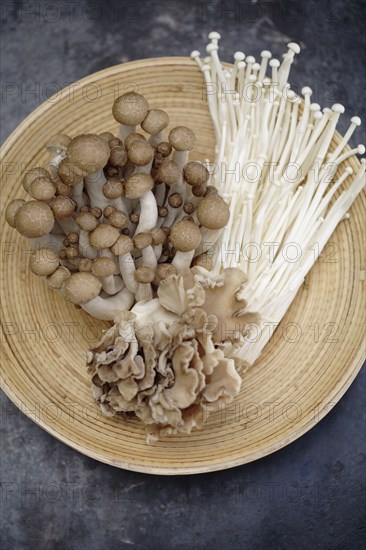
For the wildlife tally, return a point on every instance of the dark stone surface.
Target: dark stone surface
(310, 494)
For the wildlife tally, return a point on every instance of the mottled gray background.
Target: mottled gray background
(310, 494)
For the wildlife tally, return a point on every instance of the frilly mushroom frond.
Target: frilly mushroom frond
(160, 361)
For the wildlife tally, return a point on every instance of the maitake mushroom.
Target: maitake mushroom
(161, 361)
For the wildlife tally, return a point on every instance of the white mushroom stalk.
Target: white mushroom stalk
(275, 171)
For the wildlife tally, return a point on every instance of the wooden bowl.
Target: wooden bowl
(315, 354)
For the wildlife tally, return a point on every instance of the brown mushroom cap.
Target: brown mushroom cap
(140, 153)
(118, 156)
(168, 173)
(89, 152)
(114, 142)
(130, 109)
(164, 148)
(188, 207)
(59, 141)
(85, 264)
(58, 277)
(142, 240)
(113, 188)
(185, 236)
(213, 212)
(182, 138)
(165, 270)
(86, 221)
(103, 236)
(203, 260)
(144, 275)
(155, 121)
(63, 188)
(69, 173)
(34, 219)
(32, 174)
(106, 135)
(123, 245)
(211, 190)
(162, 211)
(175, 200)
(81, 288)
(199, 190)
(158, 236)
(137, 185)
(44, 261)
(73, 238)
(119, 219)
(103, 267)
(42, 189)
(108, 210)
(12, 209)
(62, 207)
(132, 137)
(195, 173)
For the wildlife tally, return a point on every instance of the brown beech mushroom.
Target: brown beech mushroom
(32, 174)
(182, 139)
(203, 260)
(159, 238)
(131, 138)
(90, 153)
(57, 145)
(141, 154)
(11, 210)
(87, 222)
(34, 219)
(167, 175)
(166, 270)
(185, 236)
(58, 277)
(144, 275)
(83, 289)
(42, 189)
(139, 186)
(130, 109)
(213, 213)
(63, 209)
(122, 248)
(195, 173)
(44, 261)
(154, 124)
(104, 268)
(143, 242)
(118, 157)
(103, 236)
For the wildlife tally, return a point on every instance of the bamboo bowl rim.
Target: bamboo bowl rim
(175, 83)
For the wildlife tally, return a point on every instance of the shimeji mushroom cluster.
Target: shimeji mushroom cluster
(121, 227)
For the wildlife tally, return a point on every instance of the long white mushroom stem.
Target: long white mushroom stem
(265, 149)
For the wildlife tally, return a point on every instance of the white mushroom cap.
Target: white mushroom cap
(155, 121)
(32, 174)
(62, 207)
(182, 138)
(140, 153)
(213, 212)
(42, 189)
(12, 209)
(34, 219)
(89, 152)
(103, 267)
(103, 236)
(56, 280)
(44, 261)
(137, 185)
(81, 288)
(130, 109)
(185, 236)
